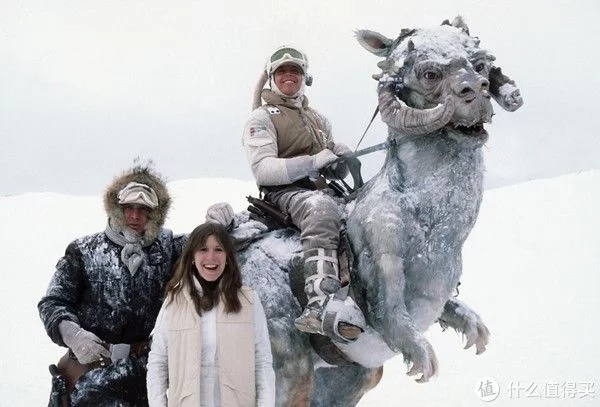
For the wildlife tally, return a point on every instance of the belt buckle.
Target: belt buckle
(119, 350)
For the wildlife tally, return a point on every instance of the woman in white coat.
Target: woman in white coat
(210, 345)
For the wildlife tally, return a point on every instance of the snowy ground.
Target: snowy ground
(531, 269)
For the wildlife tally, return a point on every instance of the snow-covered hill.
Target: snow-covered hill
(531, 269)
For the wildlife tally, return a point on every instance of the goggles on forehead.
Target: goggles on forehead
(287, 55)
(137, 193)
(290, 52)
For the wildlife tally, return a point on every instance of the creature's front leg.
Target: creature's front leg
(463, 319)
(393, 321)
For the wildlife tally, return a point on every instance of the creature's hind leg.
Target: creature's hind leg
(343, 386)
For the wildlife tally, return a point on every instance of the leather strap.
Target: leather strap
(140, 349)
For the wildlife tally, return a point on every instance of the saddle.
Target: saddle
(269, 214)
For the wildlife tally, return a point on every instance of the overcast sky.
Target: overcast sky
(88, 85)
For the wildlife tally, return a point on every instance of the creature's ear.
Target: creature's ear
(374, 42)
(458, 22)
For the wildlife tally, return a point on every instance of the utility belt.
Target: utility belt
(69, 368)
(117, 351)
(304, 183)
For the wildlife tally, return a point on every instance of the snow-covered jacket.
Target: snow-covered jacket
(280, 130)
(94, 288)
(219, 359)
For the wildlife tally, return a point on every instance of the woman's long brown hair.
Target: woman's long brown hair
(185, 271)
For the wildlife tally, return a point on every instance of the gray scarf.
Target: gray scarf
(131, 254)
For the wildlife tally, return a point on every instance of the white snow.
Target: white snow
(531, 270)
(446, 43)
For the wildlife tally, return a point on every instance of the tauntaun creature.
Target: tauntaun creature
(406, 226)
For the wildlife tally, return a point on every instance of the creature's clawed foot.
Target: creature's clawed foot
(420, 355)
(477, 334)
(463, 319)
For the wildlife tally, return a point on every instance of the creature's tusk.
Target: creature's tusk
(398, 115)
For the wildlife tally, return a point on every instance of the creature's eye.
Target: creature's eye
(480, 67)
(431, 75)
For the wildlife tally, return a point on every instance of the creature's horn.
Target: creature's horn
(409, 120)
(256, 99)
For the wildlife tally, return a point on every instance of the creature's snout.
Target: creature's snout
(469, 86)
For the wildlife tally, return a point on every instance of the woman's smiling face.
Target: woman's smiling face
(210, 259)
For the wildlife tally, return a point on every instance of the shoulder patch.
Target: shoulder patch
(256, 129)
(273, 110)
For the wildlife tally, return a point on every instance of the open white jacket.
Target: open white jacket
(209, 371)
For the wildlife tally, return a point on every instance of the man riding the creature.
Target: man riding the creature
(289, 145)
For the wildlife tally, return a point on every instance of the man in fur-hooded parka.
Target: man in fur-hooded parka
(108, 289)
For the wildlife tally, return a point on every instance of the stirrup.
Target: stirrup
(310, 322)
(338, 317)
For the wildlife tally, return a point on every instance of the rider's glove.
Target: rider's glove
(340, 149)
(221, 213)
(308, 165)
(86, 346)
(323, 159)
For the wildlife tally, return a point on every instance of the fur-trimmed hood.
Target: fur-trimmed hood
(143, 175)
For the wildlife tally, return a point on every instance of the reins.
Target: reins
(367, 129)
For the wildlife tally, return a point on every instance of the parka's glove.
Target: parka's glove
(307, 165)
(221, 213)
(323, 159)
(86, 346)
(340, 149)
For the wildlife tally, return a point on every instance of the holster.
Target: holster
(70, 368)
(268, 213)
(58, 393)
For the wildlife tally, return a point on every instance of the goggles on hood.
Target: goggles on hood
(136, 193)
